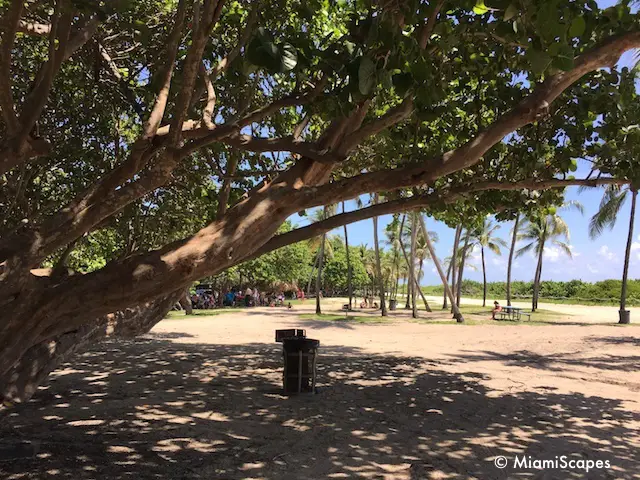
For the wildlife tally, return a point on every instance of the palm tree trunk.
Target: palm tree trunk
(383, 305)
(514, 238)
(412, 270)
(538, 274)
(463, 260)
(319, 277)
(625, 272)
(349, 273)
(315, 263)
(484, 278)
(448, 291)
(454, 259)
(444, 293)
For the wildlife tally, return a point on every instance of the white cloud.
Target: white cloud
(574, 252)
(552, 254)
(591, 268)
(498, 262)
(606, 253)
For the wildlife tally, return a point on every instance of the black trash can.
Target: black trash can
(393, 303)
(625, 316)
(300, 356)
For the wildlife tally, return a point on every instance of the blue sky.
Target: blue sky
(592, 260)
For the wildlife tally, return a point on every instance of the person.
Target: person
(496, 308)
(229, 298)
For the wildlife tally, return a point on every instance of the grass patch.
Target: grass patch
(331, 317)
(179, 314)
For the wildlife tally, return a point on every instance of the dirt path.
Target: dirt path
(199, 398)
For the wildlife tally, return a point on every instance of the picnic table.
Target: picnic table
(512, 313)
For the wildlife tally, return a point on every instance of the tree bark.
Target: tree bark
(383, 303)
(22, 380)
(627, 256)
(448, 291)
(514, 239)
(349, 272)
(185, 302)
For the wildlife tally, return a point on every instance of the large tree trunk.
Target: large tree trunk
(454, 261)
(627, 255)
(383, 303)
(448, 291)
(484, 279)
(514, 239)
(349, 272)
(185, 302)
(22, 380)
(319, 276)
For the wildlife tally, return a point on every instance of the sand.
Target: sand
(200, 398)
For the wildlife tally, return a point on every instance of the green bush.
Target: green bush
(605, 291)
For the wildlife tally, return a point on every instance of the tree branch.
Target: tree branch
(287, 144)
(427, 30)
(405, 204)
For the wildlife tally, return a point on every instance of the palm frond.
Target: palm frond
(606, 216)
(564, 247)
(527, 248)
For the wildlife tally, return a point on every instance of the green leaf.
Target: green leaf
(564, 57)
(510, 12)
(578, 26)
(366, 75)
(538, 60)
(480, 8)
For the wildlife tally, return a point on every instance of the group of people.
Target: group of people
(236, 297)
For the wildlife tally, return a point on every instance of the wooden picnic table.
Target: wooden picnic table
(511, 313)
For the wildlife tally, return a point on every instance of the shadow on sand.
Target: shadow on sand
(152, 408)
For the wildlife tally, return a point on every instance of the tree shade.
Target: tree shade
(174, 138)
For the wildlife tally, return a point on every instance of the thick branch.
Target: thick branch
(404, 204)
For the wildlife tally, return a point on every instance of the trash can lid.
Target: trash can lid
(296, 343)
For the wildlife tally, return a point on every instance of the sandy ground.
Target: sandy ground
(199, 398)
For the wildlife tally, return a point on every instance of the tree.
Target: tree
(544, 228)
(512, 249)
(109, 107)
(484, 236)
(617, 152)
(349, 270)
(381, 286)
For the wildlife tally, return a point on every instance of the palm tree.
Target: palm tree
(349, 272)
(463, 253)
(541, 229)
(383, 306)
(454, 262)
(323, 214)
(447, 290)
(484, 237)
(612, 201)
(514, 238)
